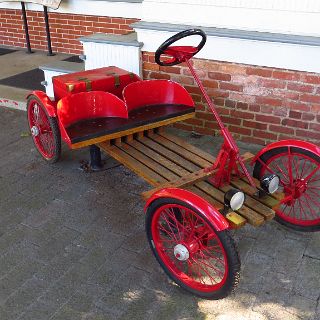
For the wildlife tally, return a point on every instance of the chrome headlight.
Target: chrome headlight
(234, 199)
(270, 183)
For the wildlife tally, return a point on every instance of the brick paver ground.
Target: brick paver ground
(73, 246)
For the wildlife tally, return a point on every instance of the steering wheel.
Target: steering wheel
(179, 54)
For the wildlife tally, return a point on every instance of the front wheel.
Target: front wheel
(299, 171)
(194, 255)
(44, 130)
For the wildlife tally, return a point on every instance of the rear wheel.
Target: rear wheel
(299, 171)
(191, 251)
(44, 129)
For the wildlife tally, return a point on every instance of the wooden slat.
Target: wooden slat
(186, 154)
(131, 131)
(144, 172)
(195, 150)
(149, 162)
(168, 154)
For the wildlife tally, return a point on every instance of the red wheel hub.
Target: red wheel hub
(296, 190)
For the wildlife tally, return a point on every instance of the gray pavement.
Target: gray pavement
(73, 245)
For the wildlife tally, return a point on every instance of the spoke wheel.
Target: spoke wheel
(44, 130)
(299, 171)
(198, 258)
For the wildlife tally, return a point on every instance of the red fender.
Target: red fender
(50, 105)
(205, 208)
(288, 143)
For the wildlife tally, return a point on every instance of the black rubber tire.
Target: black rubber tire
(256, 173)
(227, 241)
(54, 127)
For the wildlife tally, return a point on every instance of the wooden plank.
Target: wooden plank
(131, 131)
(149, 162)
(170, 155)
(186, 154)
(141, 170)
(188, 146)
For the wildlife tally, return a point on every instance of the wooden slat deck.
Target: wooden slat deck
(165, 160)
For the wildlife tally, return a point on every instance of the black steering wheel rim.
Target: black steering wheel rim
(183, 34)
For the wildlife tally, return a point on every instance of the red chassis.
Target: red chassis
(187, 234)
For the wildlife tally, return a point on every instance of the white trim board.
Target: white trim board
(273, 54)
(87, 7)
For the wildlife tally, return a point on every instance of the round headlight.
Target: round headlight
(270, 183)
(234, 199)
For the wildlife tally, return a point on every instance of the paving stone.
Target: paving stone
(24, 296)
(271, 309)
(308, 280)
(313, 249)
(302, 307)
(16, 278)
(38, 310)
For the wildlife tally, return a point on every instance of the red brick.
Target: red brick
(230, 103)
(219, 76)
(314, 79)
(271, 83)
(310, 98)
(210, 84)
(298, 106)
(262, 72)
(308, 116)
(264, 135)
(242, 105)
(231, 120)
(315, 126)
(255, 125)
(231, 86)
(295, 114)
(294, 123)
(240, 130)
(308, 134)
(300, 87)
(150, 66)
(267, 119)
(254, 108)
(156, 75)
(281, 129)
(242, 115)
(315, 108)
(286, 75)
(269, 101)
(175, 70)
(267, 109)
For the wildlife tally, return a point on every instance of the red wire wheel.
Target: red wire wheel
(44, 130)
(195, 256)
(299, 172)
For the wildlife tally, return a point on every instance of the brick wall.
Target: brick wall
(258, 104)
(65, 29)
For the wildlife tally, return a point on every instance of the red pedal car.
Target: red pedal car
(196, 198)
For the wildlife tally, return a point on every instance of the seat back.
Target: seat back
(89, 105)
(155, 92)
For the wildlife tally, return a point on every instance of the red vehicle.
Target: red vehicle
(197, 198)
